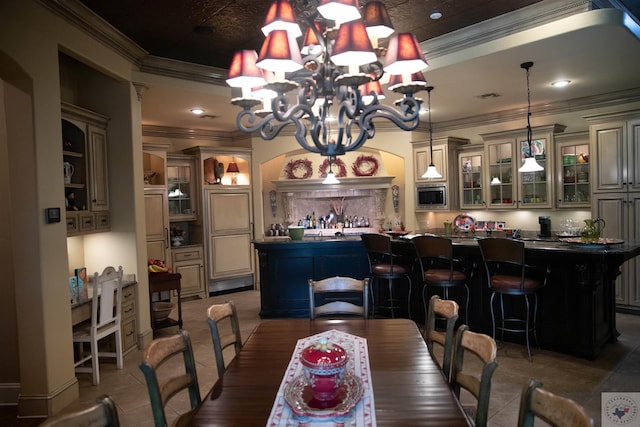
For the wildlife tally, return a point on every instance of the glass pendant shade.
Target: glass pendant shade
(280, 53)
(404, 55)
(377, 21)
(281, 17)
(431, 172)
(243, 71)
(331, 179)
(530, 165)
(339, 10)
(495, 181)
(353, 46)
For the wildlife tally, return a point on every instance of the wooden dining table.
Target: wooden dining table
(408, 386)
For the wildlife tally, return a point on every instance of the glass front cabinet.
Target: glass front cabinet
(181, 191)
(573, 183)
(472, 183)
(505, 153)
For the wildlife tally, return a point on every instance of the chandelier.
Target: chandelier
(333, 110)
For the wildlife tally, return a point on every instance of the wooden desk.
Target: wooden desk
(408, 387)
(162, 282)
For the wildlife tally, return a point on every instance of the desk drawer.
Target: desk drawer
(186, 254)
(129, 335)
(128, 310)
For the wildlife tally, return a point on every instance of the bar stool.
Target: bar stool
(435, 257)
(387, 265)
(507, 275)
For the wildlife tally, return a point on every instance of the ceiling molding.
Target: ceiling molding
(185, 133)
(80, 16)
(184, 70)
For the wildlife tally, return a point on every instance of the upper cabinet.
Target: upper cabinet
(615, 143)
(84, 152)
(472, 184)
(181, 187)
(154, 162)
(573, 183)
(505, 153)
(222, 166)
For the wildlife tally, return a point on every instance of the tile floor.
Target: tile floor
(617, 369)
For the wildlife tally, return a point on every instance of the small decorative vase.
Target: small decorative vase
(591, 231)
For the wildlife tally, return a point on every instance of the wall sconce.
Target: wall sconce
(233, 169)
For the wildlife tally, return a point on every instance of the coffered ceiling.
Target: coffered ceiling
(474, 51)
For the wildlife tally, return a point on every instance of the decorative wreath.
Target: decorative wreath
(365, 166)
(337, 163)
(298, 169)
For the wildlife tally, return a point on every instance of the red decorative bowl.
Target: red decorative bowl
(324, 366)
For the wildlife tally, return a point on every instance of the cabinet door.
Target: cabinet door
(157, 225)
(472, 180)
(573, 183)
(612, 208)
(192, 281)
(501, 175)
(535, 189)
(181, 188)
(98, 181)
(422, 159)
(229, 255)
(229, 213)
(610, 169)
(633, 156)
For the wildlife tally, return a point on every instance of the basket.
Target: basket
(160, 311)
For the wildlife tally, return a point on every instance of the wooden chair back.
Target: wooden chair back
(448, 310)
(327, 297)
(225, 331)
(479, 385)
(555, 410)
(101, 414)
(163, 385)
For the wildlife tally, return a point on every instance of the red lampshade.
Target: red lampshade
(367, 88)
(404, 55)
(310, 38)
(281, 17)
(404, 79)
(243, 71)
(339, 10)
(352, 46)
(377, 21)
(233, 168)
(280, 52)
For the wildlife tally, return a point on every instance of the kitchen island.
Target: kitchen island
(576, 313)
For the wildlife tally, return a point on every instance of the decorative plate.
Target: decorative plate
(299, 397)
(600, 243)
(464, 223)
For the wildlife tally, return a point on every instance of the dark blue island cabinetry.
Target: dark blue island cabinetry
(285, 266)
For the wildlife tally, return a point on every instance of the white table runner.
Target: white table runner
(363, 415)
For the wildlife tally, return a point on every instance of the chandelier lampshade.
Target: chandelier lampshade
(353, 47)
(334, 111)
(244, 73)
(339, 10)
(404, 55)
(377, 22)
(281, 17)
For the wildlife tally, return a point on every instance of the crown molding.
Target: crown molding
(186, 133)
(184, 70)
(80, 16)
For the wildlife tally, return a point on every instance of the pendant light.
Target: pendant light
(431, 170)
(530, 164)
(331, 177)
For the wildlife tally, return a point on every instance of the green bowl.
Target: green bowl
(296, 232)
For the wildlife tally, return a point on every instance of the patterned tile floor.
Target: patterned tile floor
(616, 369)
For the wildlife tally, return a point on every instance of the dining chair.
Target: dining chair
(103, 413)
(339, 296)
(105, 321)
(384, 264)
(557, 411)
(466, 377)
(508, 275)
(164, 384)
(447, 310)
(225, 331)
(439, 269)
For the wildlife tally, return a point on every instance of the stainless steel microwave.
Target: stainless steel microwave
(431, 196)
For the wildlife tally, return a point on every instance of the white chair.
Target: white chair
(105, 321)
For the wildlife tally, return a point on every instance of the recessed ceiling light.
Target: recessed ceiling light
(435, 15)
(561, 83)
(197, 111)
